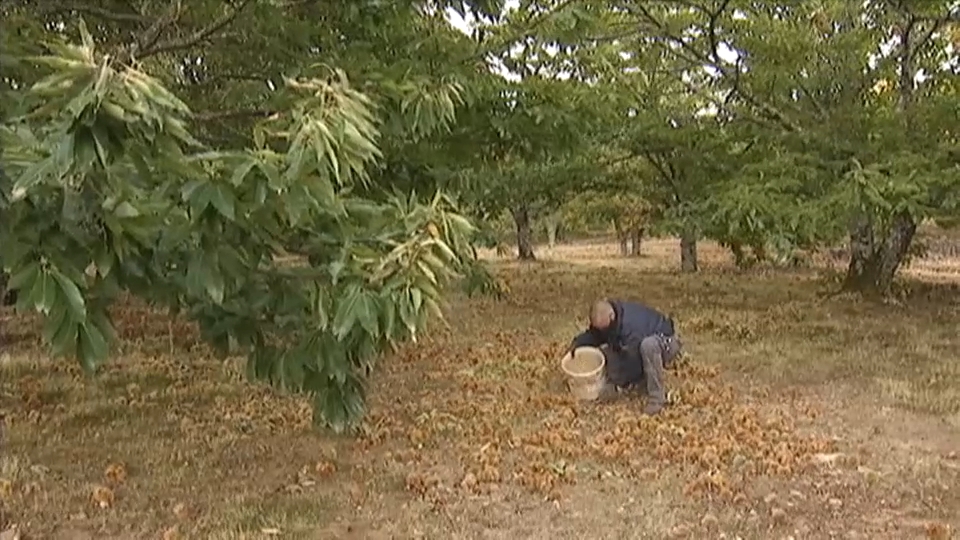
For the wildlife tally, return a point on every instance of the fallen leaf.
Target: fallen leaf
(826, 458)
(325, 468)
(116, 473)
(6, 488)
(939, 531)
(180, 511)
(102, 497)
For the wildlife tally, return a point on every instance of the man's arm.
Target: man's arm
(588, 338)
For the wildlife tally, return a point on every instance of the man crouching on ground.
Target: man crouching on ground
(638, 342)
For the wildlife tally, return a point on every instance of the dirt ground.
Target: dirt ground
(795, 415)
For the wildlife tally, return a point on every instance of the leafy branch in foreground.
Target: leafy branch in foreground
(265, 247)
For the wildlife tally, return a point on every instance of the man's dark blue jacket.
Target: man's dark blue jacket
(634, 321)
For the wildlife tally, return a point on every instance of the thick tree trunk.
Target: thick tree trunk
(636, 237)
(688, 251)
(874, 264)
(521, 216)
(874, 261)
(622, 238)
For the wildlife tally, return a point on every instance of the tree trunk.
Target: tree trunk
(739, 257)
(873, 265)
(622, 237)
(551, 231)
(636, 237)
(7, 298)
(688, 251)
(521, 216)
(874, 261)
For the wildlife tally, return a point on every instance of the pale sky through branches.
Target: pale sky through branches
(466, 25)
(725, 52)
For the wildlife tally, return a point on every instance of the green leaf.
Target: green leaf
(407, 313)
(427, 272)
(126, 210)
(322, 190)
(336, 268)
(358, 306)
(31, 177)
(369, 314)
(348, 311)
(25, 277)
(339, 406)
(260, 362)
(85, 36)
(389, 317)
(297, 205)
(43, 293)
(104, 261)
(213, 281)
(272, 174)
(295, 373)
(433, 308)
(416, 297)
(200, 197)
(93, 347)
(224, 202)
(241, 172)
(54, 320)
(64, 339)
(189, 189)
(320, 308)
(73, 295)
(102, 320)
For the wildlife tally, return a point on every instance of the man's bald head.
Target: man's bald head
(601, 314)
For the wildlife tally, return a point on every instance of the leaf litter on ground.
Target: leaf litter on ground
(472, 410)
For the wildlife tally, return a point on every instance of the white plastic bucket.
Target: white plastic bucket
(584, 371)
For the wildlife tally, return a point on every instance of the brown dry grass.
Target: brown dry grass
(796, 416)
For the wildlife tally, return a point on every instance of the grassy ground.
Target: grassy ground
(798, 416)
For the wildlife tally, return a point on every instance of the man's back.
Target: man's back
(638, 321)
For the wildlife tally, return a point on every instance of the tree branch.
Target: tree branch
(152, 34)
(712, 30)
(95, 11)
(196, 37)
(213, 79)
(697, 57)
(936, 24)
(209, 116)
(821, 112)
(666, 172)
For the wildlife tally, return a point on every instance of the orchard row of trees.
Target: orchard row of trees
(769, 126)
(304, 179)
